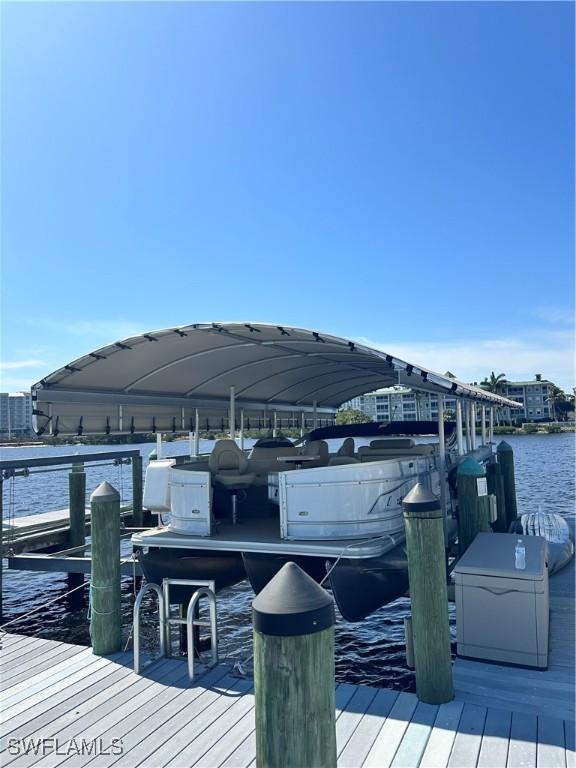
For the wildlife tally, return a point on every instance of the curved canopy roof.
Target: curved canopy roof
(154, 382)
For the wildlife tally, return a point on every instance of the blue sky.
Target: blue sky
(401, 173)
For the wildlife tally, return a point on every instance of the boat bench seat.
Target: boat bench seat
(367, 453)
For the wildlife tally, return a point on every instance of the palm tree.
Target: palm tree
(555, 394)
(494, 384)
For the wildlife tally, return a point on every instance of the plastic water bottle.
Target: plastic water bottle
(520, 555)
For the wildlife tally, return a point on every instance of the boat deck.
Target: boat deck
(263, 535)
(61, 694)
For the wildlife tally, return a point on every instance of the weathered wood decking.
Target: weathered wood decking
(63, 694)
(501, 716)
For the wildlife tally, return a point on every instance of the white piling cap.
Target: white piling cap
(105, 492)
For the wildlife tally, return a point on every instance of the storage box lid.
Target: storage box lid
(492, 554)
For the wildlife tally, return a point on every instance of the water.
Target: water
(371, 652)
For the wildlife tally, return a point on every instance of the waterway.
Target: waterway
(371, 652)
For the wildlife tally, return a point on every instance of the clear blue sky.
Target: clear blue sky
(399, 172)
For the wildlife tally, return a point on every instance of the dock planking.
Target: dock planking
(501, 717)
(162, 719)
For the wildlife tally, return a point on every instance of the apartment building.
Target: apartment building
(400, 404)
(15, 413)
(404, 404)
(534, 398)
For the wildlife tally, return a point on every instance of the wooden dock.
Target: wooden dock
(501, 716)
(60, 704)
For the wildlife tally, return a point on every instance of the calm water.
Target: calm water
(371, 652)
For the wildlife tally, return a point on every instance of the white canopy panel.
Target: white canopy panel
(154, 382)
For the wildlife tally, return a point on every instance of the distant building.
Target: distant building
(15, 414)
(404, 404)
(400, 404)
(533, 396)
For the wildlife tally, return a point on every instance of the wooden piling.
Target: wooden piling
(495, 483)
(2, 535)
(105, 616)
(77, 510)
(293, 620)
(137, 511)
(428, 595)
(473, 502)
(505, 456)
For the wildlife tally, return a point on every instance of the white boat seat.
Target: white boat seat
(379, 454)
(393, 442)
(229, 466)
(317, 448)
(263, 459)
(347, 448)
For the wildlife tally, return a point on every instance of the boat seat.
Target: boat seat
(316, 448)
(229, 469)
(263, 459)
(393, 442)
(345, 454)
(367, 453)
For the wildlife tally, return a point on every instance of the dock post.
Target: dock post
(2, 535)
(496, 487)
(77, 507)
(105, 616)
(473, 502)
(428, 595)
(505, 456)
(293, 619)
(137, 511)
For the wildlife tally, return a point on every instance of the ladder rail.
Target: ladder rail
(148, 587)
(191, 622)
(203, 589)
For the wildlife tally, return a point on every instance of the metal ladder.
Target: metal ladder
(204, 589)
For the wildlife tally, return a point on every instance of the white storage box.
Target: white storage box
(191, 502)
(156, 495)
(502, 612)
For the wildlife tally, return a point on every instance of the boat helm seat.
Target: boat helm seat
(347, 448)
(263, 458)
(229, 469)
(316, 448)
(345, 454)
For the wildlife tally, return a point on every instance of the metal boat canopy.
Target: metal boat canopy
(155, 382)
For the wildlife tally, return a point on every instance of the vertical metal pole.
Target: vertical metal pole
(465, 405)
(191, 443)
(159, 445)
(315, 414)
(473, 424)
(442, 460)
(137, 510)
(232, 415)
(196, 432)
(302, 424)
(275, 427)
(242, 429)
(483, 417)
(491, 428)
(459, 435)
